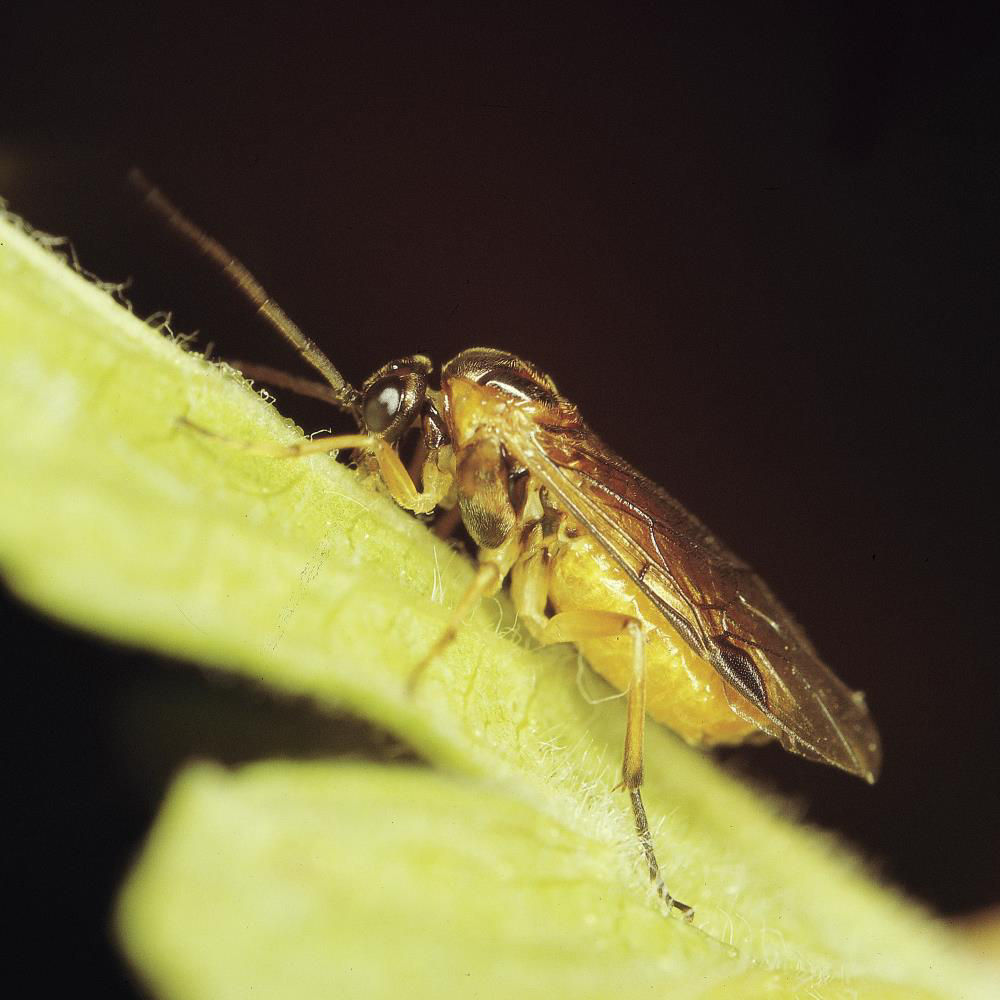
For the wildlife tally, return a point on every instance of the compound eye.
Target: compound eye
(391, 398)
(382, 403)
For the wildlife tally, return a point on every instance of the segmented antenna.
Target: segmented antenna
(344, 394)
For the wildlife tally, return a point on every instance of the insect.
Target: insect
(596, 553)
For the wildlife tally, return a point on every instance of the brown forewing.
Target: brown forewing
(720, 607)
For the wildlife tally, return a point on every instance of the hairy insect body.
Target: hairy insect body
(484, 494)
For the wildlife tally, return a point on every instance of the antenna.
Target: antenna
(344, 394)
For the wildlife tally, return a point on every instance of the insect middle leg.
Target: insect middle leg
(486, 581)
(529, 587)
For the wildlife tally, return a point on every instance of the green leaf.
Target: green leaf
(405, 882)
(512, 868)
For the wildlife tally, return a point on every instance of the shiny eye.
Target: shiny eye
(392, 398)
(382, 403)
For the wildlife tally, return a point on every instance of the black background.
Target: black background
(758, 249)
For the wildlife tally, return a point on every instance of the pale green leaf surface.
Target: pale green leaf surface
(409, 883)
(303, 577)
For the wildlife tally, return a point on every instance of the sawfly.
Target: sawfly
(597, 554)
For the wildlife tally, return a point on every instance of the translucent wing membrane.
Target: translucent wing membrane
(719, 606)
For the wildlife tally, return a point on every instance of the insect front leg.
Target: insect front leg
(397, 480)
(310, 446)
(400, 484)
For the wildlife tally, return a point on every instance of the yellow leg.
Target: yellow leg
(576, 626)
(392, 470)
(486, 581)
(529, 589)
(311, 446)
(400, 484)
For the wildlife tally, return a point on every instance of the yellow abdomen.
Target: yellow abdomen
(683, 691)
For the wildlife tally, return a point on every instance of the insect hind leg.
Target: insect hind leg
(529, 589)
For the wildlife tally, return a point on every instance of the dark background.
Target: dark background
(758, 249)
